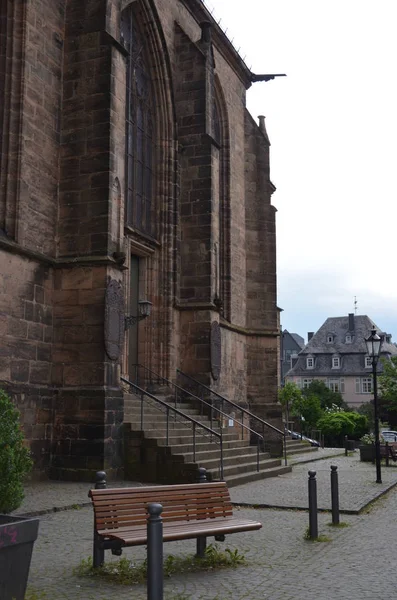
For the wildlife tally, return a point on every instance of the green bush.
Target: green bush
(15, 461)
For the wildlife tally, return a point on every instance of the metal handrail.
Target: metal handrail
(182, 415)
(177, 388)
(243, 411)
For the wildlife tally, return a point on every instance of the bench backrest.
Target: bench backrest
(123, 507)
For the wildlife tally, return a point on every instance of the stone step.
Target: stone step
(234, 480)
(208, 447)
(228, 453)
(302, 450)
(176, 438)
(235, 466)
(150, 421)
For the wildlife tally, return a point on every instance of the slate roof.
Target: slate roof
(352, 355)
(298, 339)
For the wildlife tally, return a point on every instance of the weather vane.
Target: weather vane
(355, 305)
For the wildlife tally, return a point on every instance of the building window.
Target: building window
(334, 385)
(310, 363)
(306, 383)
(366, 385)
(335, 362)
(139, 130)
(368, 362)
(349, 339)
(330, 338)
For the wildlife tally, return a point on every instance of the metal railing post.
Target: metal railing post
(155, 582)
(142, 411)
(334, 495)
(98, 556)
(257, 454)
(222, 455)
(194, 442)
(313, 522)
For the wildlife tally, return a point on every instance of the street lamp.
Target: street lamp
(374, 345)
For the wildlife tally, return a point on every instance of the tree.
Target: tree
(289, 394)
(327, 397)
(308, 407)
(388, 389)
(335, 425)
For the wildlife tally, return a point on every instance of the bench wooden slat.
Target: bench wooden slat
(177, 531)
(107, 524)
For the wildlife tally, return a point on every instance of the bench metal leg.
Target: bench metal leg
(98, 556)
(201, 546)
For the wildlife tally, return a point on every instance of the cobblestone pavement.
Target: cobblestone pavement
(357, 485)
(281, 564)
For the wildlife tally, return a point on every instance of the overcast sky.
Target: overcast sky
(332, 123)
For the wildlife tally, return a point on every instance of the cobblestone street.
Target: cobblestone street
(280, 563)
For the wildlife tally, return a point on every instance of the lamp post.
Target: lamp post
(144, 310)
(374, 344)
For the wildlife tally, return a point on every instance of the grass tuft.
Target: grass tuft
(125, 572)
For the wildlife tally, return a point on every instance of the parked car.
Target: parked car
(389, 436)
(297, 436)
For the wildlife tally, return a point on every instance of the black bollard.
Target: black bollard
(202, 476)
(98, 557)
(387, 453)
(345, 446)
(201, 542)
(313, 522)
(334, 495)
(155, 583)
(100, 480)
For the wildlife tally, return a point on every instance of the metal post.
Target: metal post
(313, 522)
(377, 442)
(334, 495)
(387, 453)
(285, 447)
(155, 583)
(98, 554)
(345, 440)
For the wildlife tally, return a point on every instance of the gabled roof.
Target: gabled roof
(339, 328)
(352, 354)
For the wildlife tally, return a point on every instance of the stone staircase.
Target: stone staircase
(297, 446)
(149, 458)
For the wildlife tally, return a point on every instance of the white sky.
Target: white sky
(332, 123)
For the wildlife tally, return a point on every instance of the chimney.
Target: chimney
(310, 334)
(351, 322)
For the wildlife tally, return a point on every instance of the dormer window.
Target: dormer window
(336, 362)
(310, 362)
(348, 338)
(330, 338)
(368, 362)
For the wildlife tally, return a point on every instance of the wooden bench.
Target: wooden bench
(388, 451)
(189, 511)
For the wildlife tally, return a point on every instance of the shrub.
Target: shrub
(15, 461)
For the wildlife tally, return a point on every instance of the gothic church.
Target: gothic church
(133, 180)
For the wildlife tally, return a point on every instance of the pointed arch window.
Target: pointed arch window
(140, 143)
